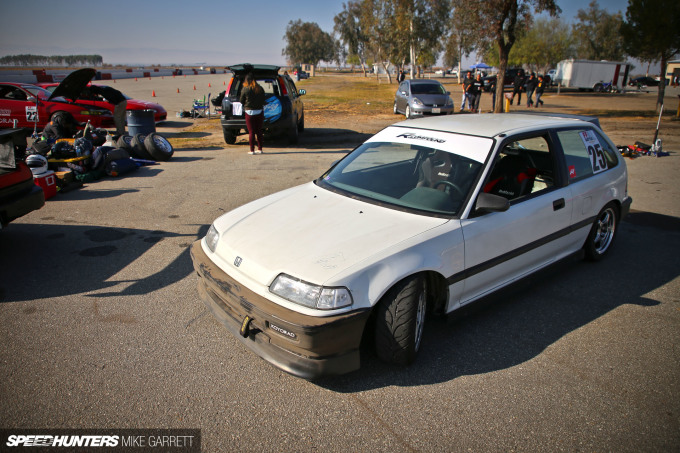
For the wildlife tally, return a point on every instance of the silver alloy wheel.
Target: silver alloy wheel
(606, 226)
(408, 112)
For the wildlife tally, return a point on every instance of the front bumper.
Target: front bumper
(302, 345)
(426, 110)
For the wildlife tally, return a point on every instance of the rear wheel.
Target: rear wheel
(400, 321)
(602, 233)
(293, 133)
(229, 136)
(598, 88)
(301, 123)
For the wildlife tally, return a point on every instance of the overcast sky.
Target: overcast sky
(189, 32)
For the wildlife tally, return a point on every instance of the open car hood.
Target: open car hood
(257, 69)
(74, 84)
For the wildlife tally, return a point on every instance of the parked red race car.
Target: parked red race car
(30, 106)
(98, 101)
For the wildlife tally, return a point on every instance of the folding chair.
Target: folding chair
(201, 108)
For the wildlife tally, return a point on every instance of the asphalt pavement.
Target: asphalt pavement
(102, 327)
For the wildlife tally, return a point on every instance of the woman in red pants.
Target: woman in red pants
(252, 98)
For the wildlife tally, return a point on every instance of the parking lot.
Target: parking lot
(102, 326)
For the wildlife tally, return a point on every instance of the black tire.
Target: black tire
(229, 136)
(598, 88)
(138, 149)
(158, 146)
(293, 133)
(400, 318)
(124, 142)
(602, 233)
(394, 109)
(301, 123)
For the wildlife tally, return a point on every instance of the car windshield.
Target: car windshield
(413, 170)
(37, 91)
(269, 84)
(427, 88)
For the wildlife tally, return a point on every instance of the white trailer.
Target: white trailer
(591, 75)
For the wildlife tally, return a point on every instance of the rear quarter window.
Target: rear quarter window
(586, 153)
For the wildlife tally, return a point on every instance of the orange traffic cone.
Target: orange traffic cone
(135, 79)
(209, 85)
(194, 87)
(153, 94)
(224, 82)
(178, 90)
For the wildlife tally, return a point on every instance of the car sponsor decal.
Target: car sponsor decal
(572, 171)
(32, 114)
(471, 147)
(5, 112)
(597, 159)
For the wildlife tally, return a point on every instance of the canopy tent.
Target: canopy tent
(480, 65)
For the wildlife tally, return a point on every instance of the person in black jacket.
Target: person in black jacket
(119, 101)
(531, 87)
(517, 86)
(540, 87)
(253, 99)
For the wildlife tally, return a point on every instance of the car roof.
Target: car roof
(491, 125)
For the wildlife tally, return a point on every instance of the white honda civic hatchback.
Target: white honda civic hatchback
(424, 217)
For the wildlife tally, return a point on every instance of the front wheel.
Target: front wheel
(602, 233)
(400, 321)
(408, 112)
(396, 112)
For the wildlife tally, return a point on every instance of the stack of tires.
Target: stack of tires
(147, 147)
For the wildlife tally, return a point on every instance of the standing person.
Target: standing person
(492, 90)
(402, 76)
(252, 98)
(531, 87)
(466, 84)
(477, 87)
(115, 97)
(540, 87)
(517, 85)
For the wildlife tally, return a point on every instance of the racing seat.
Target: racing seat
(512, 177)
(435, 168)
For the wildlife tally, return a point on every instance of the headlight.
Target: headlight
(449, 101)
(312, 296)
(211, 238)
(417, 101)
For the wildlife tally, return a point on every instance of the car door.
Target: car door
(501, 247)
(401, 98)
(14, 105)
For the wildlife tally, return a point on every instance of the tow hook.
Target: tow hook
(245, 326)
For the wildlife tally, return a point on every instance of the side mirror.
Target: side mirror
(32, 99)
(448, 93)
(487, 202)
(301, 92)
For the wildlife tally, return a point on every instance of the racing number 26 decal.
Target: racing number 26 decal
(32, 114)
(595, 152)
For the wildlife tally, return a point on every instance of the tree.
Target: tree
(307, 43)
(349, 27)
(499, 21)
(378, 21)
(461, 41)
(650, 33)
(598, 34)
(547, 42)
(420, 25)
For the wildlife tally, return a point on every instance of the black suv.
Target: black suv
(508, 81)
(283, 111)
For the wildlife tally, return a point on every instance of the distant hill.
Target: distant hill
(54, 60)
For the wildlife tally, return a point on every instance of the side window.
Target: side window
(586, 153)
(403, 87)
(522, 168)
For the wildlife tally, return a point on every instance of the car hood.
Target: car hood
(432, 98)
(312, 234)
(144, 105)
(74, 84)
